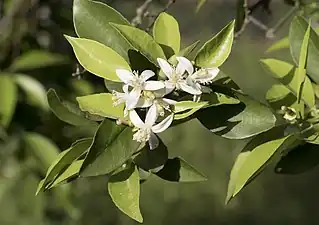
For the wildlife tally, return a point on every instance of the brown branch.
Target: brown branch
(167, 6)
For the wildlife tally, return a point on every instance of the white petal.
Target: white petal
(125, 88)
(169, 86)
(166, 67)
(144, 102)
(151, 116)
(126, 76)
(205, 75)
(153, 141)
(191, 89)
(153, 85)
(146, 74)
(135, 119)
(160, 93)
(133, 98)
(169, 101)
(184, 65)
(163, 125)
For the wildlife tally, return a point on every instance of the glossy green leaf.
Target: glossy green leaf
(185, 52)
(237, 121)
(112, 145)
(8, 99)
(242, 7)
(64, 160)
(215, 99)
(166, 33)
(124, 189)
(178, 170)
(296, 35)
(281, 44)
(37, 59)
(299, 160)
(98, 58)
(215, 52)
(64, 113)
(142, 42)
(34, 90)
(91, 20)
(189, 106)
(44, 150)
(101, 105)
(279, 95)
(286, 74)
(251, 160)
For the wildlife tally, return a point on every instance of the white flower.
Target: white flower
(146, 131)
(202, 76)
(129, 98)
(138, 83)
(176, 75)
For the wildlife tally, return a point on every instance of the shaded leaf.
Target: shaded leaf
(34, 90)
(166, 33)
(8, 99)
(178, 170)
(241, 14)
(64, 113)
(98, 58)
(141, 41)
(124, 189)
(91, 21)
(101, 105)
(200, 4)
(37, 59)
(112, 145)
(215, 52)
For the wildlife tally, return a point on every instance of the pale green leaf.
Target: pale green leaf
(101, 105)
(281, 44)
(178, 170)
(34, 90)
(64, 113)
(37, 59)
(166, 33)
(98, 58)
(8, 99)
(189, 106)
(124, 189)
(142, 42)
(91, 20)
(215, 52)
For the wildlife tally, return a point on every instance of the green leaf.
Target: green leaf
(44, 150)
(189, 106)
(142, 42)
(112, 145)
(37, 59)
(64, 113)
(242, 7)
(8, 99)
(98, 58)
(200, 4)
(91, 20)
(186, 52)
(238, 121)
(178, 170)
(279, 95)
(34, 90)
(166, 33)
(286, 74)
(64, 160)
(299, 160)
(152, 160)
(215, 52)
(215, 99)
(281, 44)
(124, 189)
(296, 35)
(101, 105)
(252, 160)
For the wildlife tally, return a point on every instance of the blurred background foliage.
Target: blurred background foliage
(34, 56)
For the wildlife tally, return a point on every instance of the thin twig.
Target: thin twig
(140, 13)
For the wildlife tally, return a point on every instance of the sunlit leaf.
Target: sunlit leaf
(178, 170)
(8, 99)
(112, 145)
(142, 42)
(166, 33)
(124, 189)
(34, 90)
(215, 52)
(37, 59)
(98, 58)
(64, 114)
(281, 44)
(189, 106)
(101, 105)
(91, 21)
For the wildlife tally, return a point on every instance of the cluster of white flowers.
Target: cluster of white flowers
(139, 92)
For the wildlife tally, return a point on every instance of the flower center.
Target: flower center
(142, 135)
